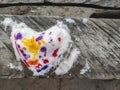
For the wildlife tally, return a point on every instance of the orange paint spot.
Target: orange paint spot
(24, 48)
(39, 42)
(33, 62)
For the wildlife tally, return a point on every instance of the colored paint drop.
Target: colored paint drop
(33, 62)
(55, 52)
(18, 36)
(40, 56)
(43, 49)
(51, 40)
(45, 61)
(38, 66)
(50, 33)
(25, 63)
(59, 39)
(18, 46)
(43, 68)
(24, 48)
(39, 38)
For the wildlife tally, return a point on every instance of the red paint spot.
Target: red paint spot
(38, 66)
(25, 63)
(55, 52)
(46, 61)
(59, 39)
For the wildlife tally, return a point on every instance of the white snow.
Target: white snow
(85, 69)
(69, 20)
(12, 66)
(85, 20)
(67, 64)
(59, 29)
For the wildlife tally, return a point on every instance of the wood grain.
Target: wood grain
(103, 3)
(98, 41)
(20, 1)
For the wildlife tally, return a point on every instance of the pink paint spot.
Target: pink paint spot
(59, 39)
(45, 61)
(55, 52)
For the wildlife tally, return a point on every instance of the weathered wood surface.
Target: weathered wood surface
(20, 1)
(97, 39)
(103, 3)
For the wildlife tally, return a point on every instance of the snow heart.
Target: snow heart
(40, 51)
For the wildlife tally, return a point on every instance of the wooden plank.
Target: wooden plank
(20, 1)
(29, 84)
(85, 84)
(103, 3)
(97, 39)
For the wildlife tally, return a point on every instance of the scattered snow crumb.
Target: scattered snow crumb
(7, 22)
(85, 68)
(11, 66)
(78, 28)
(85, 20)
(33, 11)
(70, 74)
(39, 8)
(67, 64)
(77, 39)
(69, 20)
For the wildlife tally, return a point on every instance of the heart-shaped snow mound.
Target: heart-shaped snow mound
(40, 51)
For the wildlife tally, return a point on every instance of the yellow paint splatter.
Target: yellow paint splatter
(43, 41)
(32, 45)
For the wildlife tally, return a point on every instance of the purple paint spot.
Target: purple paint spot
(18, 46)
(43, 33)
(39, 38)
(22, 51)
(28, 56)
(43, 49)
(51, 40)
(18, 36)
(50, 33)
(40, 56)
(24, 54)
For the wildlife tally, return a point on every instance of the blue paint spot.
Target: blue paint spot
(60, 56)
(43, 68)
(39, 70)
